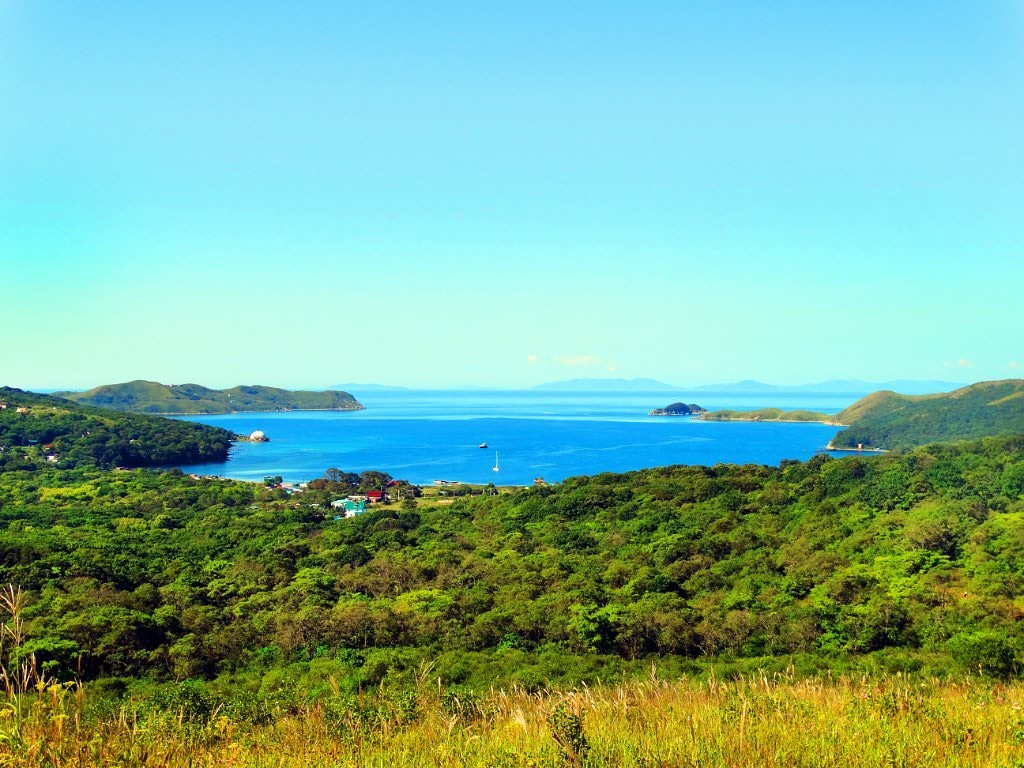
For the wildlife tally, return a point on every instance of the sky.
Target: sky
(445, 194)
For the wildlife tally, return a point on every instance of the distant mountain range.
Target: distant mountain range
(365, 388)
(155, 398)
(608, 385)
(856, 386)
(845, 386)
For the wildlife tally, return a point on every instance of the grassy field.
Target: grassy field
(759, 721)
(435, 496)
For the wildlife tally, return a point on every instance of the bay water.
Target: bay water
(423, 436)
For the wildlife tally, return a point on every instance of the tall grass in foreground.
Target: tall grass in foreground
(756, 721)
(750, 721)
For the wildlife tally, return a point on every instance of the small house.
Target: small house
(349, 508)
(376, 496)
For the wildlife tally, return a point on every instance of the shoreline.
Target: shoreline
(233, 413)
(453, 431)
(831, 447)
(778, 421)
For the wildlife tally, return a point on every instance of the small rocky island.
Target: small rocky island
(677, 409)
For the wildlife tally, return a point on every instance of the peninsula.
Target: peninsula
(193, 399)
(887, 420)
(770, 414)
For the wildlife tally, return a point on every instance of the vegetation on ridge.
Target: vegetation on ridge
(896, 422)
(891, 421)
(155, 398)
(38, 430)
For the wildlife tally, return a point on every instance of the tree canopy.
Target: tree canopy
(156, 574)
(34, 427)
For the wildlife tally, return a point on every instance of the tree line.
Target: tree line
(916, 557)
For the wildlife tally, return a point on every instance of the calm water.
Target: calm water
(426, 436)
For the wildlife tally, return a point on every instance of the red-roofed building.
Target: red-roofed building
(375, 496)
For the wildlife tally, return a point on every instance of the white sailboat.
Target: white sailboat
(495, 467)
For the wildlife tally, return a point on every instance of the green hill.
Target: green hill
(893, 421)
(37, 430)
(152, 397)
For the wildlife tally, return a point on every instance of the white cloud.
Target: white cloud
(961, 363)
(533, 359)
(1014, 364)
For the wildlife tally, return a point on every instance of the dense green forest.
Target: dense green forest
(895, 422)
(899, 560)
(153, 397)
(37, 430)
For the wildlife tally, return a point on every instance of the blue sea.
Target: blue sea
(425, 436)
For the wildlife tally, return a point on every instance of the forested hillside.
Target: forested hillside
(155, 574)
(153, 397)
(37, 430)
(895, 422)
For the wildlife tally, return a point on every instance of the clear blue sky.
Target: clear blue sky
(436, 194)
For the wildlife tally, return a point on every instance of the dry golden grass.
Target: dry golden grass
(755, 721)
(763, 722)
